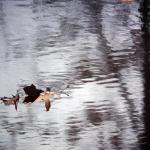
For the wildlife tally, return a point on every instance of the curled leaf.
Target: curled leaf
(44, 96)
(11, 101)
(32, 93)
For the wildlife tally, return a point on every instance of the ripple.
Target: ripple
(80, 47)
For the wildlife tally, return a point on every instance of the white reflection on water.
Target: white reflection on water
(83, 44)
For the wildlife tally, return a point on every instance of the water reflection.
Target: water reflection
(145, 140)
(81, 44)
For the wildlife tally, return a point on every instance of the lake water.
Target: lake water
(91, 46)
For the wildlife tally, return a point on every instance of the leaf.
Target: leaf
(45, 97)
(32, 92)
(11, 101)
(47, 105)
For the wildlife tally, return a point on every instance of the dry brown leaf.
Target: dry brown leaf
(32, 93)
(45, 97)
(11, 101)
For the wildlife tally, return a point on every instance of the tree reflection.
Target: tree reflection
(114, 63)
(145, 8)
(73, 130)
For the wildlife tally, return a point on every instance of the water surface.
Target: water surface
(92, 46)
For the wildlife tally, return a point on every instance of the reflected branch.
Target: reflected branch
(145, 9)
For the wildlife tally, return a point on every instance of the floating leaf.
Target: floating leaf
(45, 97)
(12, 100)
(32, 92)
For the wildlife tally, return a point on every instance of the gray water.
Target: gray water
(94, 47)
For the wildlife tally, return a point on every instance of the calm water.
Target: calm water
(92, 46)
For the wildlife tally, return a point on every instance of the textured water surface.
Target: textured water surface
(92, 46)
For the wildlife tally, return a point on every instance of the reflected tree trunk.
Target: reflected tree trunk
(145, 9)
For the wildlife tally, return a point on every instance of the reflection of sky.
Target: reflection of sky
(17, 64)
(120, 22)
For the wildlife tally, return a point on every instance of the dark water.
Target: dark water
(92, 46)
